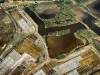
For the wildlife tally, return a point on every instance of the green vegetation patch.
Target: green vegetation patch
(59, 33)
(86, 34)
(81, 1)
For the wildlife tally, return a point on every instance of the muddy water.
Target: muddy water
(65, 43)
(58, 44)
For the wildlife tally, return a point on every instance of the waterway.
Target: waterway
(58, 44)
(41, 26)
(89, 20)
(65, 43)
(94, 7)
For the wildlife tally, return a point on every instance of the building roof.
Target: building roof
(9, 61)
(69, 65)
(40, 72)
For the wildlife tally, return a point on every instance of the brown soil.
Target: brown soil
(15, 14)
(78, 11)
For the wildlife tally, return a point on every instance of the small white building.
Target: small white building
(70, 65)
(40, 72)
